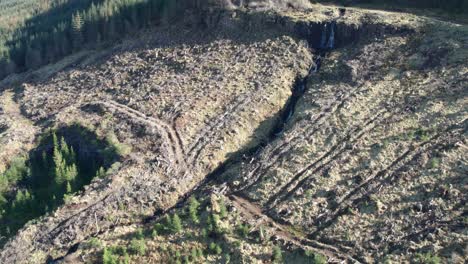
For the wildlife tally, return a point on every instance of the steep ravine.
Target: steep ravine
(284, 116)
(327, 38)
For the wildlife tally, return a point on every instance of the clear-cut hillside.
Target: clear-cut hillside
(355, 152)
(374, 161)
(178, 106)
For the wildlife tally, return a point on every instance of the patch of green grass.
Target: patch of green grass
(108, 257)
(154, 233)
(277, 256)
(435, 163)
(215, 249)
(422, 134)
(118, 147)
(94, 243)
(137, 247)
(243, 230)
(139, 234)
(315, 258)
(115, 255)
(119, 249)
(296, 230)
(200, 253)
(227, 258)
(427, 258)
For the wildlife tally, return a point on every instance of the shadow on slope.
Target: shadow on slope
(63, 163)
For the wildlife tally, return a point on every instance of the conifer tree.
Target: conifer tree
(55, 142)
(193, 254)
(216, 227)
(101, 173)
(222, 208)
(168, 221)
(77, 30)
(19, 200)
(111, 28)
(176, 224)
(193, 209)
(69, 188)
(91, 18)
(7, 66)
(72, 155)
(71, 172)
(59, 163)
(134, 16)
(65, 150)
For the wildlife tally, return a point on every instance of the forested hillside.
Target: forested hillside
(34, 33)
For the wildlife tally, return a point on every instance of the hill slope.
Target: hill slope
(304, 136)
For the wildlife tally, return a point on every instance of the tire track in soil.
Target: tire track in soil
(338, 149)
(254, 212)
(280, 150)
(375, 181)
(170, 136)
(429, 226)
(204, 136)
(328, 250)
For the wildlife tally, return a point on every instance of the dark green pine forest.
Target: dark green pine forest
(37, 32)
(34, 33)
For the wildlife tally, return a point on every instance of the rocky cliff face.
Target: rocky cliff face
(362, 161)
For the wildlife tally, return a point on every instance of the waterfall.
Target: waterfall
(323, 38)
(327, 39)
(331, 39)
(318, 63)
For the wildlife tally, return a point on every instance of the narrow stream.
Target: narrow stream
(298, 90)
(327, 43)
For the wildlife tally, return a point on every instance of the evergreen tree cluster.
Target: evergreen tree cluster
(32, 187)
(37, 32)
(65, 170)
(61, 27)
(171, 225)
